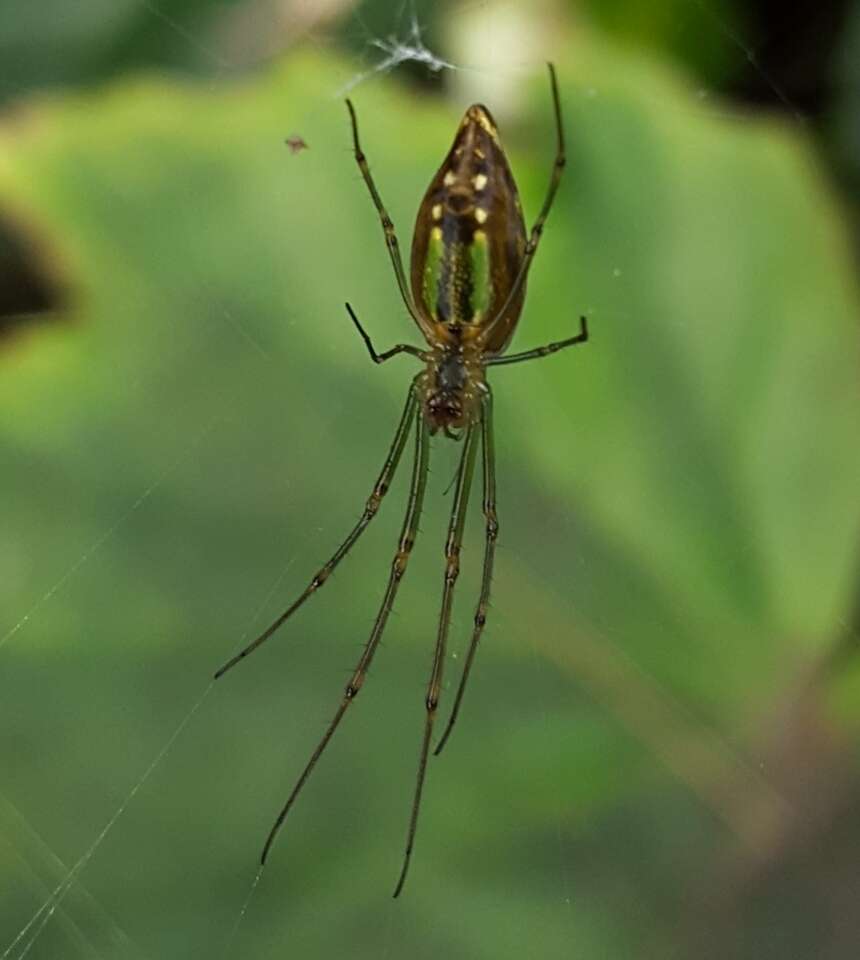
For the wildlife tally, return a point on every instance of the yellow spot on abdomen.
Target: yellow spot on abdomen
(480, 215)
(485, 122)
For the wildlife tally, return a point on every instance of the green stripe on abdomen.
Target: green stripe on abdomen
(456, 286)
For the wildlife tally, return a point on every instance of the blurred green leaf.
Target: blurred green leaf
(675, 29)
(677, 499)
(50, 43)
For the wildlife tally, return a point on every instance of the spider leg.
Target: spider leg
(489, 475)
(544, 351)
(383, 482)
(452, 569)
(398, 568)
(385, 219)
(537, 228)
(382, 357)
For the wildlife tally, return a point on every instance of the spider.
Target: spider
(470, 262)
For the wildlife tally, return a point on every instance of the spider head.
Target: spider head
(445, 400)
(444, 410)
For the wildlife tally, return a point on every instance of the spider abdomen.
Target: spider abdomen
(469, 240)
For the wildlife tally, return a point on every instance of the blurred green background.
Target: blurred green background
(659, 754)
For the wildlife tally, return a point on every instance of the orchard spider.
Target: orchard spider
(470, 261)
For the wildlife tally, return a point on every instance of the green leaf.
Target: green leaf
(677, 501)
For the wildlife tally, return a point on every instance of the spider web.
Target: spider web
(397, 51)
(66, 898)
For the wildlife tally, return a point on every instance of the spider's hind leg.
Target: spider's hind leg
(384, 218)
(536, 233)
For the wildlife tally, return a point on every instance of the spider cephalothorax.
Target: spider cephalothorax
(470, 262)
(451, 387)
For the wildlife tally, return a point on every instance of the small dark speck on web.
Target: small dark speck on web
(296, 143)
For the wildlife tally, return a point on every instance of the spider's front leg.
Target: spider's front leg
(380, 488)
(398, 569)
(492, 533)
(452, 570)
